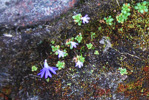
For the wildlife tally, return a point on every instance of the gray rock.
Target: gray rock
(29, 12)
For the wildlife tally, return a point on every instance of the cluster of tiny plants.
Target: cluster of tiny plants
(73, 42)
(78, 19)
(125, 12)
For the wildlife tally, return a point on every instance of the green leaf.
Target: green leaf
(34, 68)
(89, 46)
(99, 28)
(92, 35)
(52, 42)
(55, 48)
(79, 38)
(47, 79)
(77, 19)
(96, 52)
(109, 20)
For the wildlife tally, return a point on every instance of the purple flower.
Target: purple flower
(46, 70)
(85, 19)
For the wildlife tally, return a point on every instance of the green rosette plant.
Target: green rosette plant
(123, 71)
(89, 46)
(77, 19)
(60, 65)
(79, 38)
(109, 20)
(142, 7)
(34, 68)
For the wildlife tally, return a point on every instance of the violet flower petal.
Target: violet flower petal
(53, 70)
(42, 73)
(47, 74)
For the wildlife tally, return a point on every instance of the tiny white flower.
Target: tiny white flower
(60, 53)
(73, 44)
(85, 19)
(79, 64)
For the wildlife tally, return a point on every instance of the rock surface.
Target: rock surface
(28, 46)
(29, 12)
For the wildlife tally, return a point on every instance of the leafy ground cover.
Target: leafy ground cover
(119, 71)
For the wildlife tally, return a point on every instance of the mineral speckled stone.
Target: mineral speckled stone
(28, 12)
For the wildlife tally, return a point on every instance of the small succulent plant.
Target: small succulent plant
(55, 48)
(123, 71)
(60, 64)
(77, 19)
(142, 7)
(125, 12)
(109, 20)
(125, 8)
(34, 68)
(79, 38)
(96, 52)
(89, 46)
